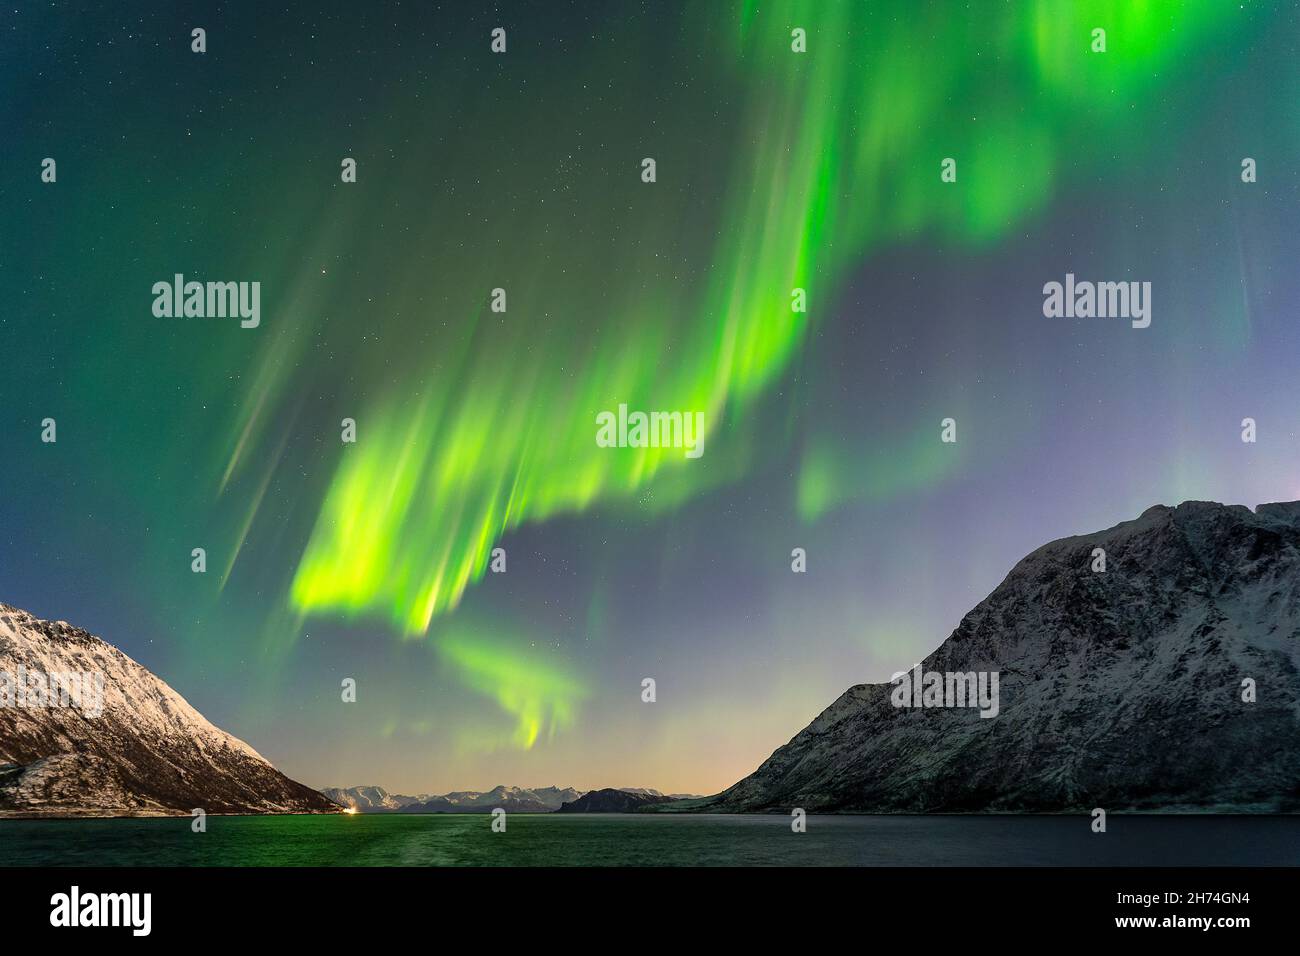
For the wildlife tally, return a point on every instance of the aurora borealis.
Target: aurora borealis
(521, 171)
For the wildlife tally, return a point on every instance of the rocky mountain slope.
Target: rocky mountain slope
(1120, 689)
(136, 748)
(650, 792)
(613, 801)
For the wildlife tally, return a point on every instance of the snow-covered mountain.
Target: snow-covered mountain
(123, 743)
(516, 799)
(371, 799)
(511, 799)
(1120, 689)
(522, 798)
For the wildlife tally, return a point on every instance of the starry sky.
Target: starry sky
(476, 170)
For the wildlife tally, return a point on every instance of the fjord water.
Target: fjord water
(653, 840)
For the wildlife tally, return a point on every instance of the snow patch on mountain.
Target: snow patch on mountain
(1120, 689)
(147, 753)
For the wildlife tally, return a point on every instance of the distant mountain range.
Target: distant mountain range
(510, 799)
(121, 743)
(614, 801)
(515, 799)
(1121, 689)
(1154, 666)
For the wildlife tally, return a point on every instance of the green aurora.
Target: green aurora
(830, 168)
(776, 170)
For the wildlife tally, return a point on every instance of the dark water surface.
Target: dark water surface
(653, 840)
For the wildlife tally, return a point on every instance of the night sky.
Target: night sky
(476, 429)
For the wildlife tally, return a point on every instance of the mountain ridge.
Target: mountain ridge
(1121, 689)
(612, 800)
(122, 743)
(370, 799)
